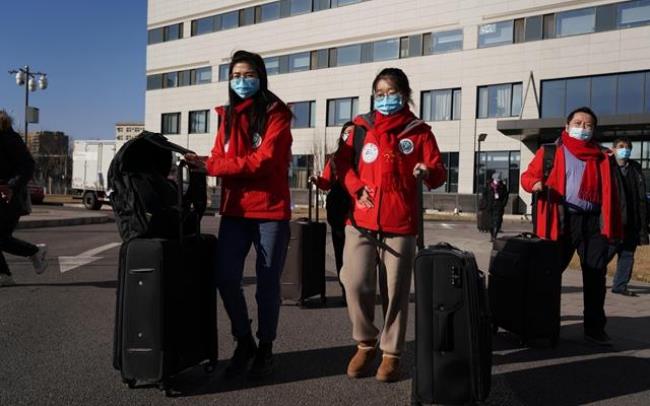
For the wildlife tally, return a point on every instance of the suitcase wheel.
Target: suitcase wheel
(129, 382)
(165, 389)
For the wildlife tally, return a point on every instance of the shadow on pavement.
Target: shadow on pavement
(97, 284)
(581, 382)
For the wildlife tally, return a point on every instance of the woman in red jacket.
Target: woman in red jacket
(251, 154)
(397, 148)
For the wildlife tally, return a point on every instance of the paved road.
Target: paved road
(56, 342)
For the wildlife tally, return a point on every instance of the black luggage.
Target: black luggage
(165, 317)
(525, 286)
(453, 347)
(484, 220)
(304, 268)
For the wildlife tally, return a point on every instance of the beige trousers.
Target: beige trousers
(359, 276)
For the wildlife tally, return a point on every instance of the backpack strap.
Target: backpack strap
(549, 159)
(359, 138)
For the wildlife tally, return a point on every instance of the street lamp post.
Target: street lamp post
(24, 76)
(481, 138)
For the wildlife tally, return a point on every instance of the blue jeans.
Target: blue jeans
(270, 238)
(624, 267)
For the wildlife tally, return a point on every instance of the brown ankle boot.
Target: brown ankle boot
(360, 362)
(389, 369)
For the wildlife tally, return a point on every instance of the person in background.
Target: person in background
(337, 204)
(496, 197)
(634, 210)
(580, 196)
(16, 169)
(251, 154)
(397, 149)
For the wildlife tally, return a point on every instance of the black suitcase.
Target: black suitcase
(304, 269)
(165, 318)
(484, 220)
(453, 347)
(525, 287)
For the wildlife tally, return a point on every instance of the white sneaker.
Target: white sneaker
(6, 280)
(38, 260)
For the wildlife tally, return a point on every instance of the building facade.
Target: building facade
(50, 150)
(505, 72)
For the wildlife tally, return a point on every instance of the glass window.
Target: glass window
(230, 20)
(647, 93)
(154, 82)
(634, 13)
(348, 55)
(439, 105)
(172, 32)
(427, 43)
(447, 41)
(203, 26)
(630, 93)
(505, 162)
(519, 29)
(170, 122)
(299, 62)
(198, 122)
(321, 5)
(170, 79)
(340, 111)
(366, 52)
(404, 47)
(450, 160)
(385, 50)
(299, 170)
(603, 94)
(606, 17)
(533, 28)
(272, 65)
(224, 70)
(553, 98)
(494, 34)
(283, 62)
(246, 16)
(575, 22)
(549, 26)
(415, 45)
(578, 93)
(184, 78)
(499, 100)
(201, 76)
(319, 59)
(155, 36)
(300, 7)
(302, 114)
(339, 3)
(270, 11)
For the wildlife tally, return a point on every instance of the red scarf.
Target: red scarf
(387, 128)
(588, 151)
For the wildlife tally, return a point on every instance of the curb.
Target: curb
(79, 221)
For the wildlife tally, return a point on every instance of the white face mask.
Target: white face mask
(582, 134)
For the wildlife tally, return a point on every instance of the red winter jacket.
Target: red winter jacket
(556, 182)
(254, 170)
(327, 178)
(394, 194)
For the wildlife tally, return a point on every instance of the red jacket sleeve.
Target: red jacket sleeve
(324, 181)
(275, 147)
(347, 174)
(433, 160)
(534, 173)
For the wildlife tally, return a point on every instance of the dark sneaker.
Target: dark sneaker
(263, 364)
(245, 351)
(598, 337)
(625, 292)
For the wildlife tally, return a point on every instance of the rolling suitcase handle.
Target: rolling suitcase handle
(420, 209)
(310, 197)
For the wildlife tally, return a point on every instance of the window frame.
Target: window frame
(178, 123)
(190, 127)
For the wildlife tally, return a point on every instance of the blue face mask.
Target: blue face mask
(245, 87)
(581, 134)
(623, 153)
(389, 104)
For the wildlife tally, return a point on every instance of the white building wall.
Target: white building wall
(590, 54)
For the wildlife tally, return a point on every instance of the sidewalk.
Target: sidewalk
(53, 216)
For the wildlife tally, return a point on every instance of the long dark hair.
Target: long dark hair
(261, 100)
(399, 79)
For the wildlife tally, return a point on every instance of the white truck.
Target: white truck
(90, 163)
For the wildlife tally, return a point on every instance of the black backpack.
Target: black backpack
(145, 200)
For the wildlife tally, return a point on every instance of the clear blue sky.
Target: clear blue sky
(94, 54)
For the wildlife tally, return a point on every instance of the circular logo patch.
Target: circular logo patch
(257, 140)
(369, 153)
(406, 146)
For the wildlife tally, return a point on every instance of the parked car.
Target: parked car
(36, 193)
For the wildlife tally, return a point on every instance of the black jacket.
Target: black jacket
(638, 206)
(16, 168)
(494, 203)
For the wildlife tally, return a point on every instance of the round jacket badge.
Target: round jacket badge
(406, 146)
(369, 153)
(257, 140)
